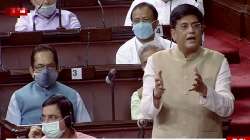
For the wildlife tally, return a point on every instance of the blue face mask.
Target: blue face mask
(47, 10)
(143, 30)
(46, 78)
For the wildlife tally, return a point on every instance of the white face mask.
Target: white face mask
(47, 10)
(52, 130)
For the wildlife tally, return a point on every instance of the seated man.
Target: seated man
(57, 120)
(146, 51)
(186, 89)
(46, 17)
(144, 17)
(25, 104)
(163, 7)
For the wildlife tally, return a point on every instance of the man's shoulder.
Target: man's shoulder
(65, 88)
(165, 42)
(82, 135)
(127, 44)
(24, 89)
(212, 53)
(67, 13)
(27, 17)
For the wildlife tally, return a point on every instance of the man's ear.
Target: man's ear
(31, 70)
(173, 34)
(155, 24)
(203, 27)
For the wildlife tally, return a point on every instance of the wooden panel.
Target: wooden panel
(114, 15)
(7, 23)
(123, 93)
(70, 54)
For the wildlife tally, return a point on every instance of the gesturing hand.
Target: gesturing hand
(159, 88)
(199, 85)
(35, 132)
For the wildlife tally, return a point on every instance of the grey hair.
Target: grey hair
(149, 46)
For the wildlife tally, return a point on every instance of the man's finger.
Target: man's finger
(160, 74)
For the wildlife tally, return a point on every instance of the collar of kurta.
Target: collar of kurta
(179, 54)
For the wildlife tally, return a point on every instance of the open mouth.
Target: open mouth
(191, 38)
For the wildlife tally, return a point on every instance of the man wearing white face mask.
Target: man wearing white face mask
(46, 17)
(57, 120)
(144, 17)
(25, 103)
(163, 7)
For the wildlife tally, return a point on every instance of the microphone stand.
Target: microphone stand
(87, 51)
(112, 86)
(60, 27)
(102, 12)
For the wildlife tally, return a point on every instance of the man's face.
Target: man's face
(39, 2)
(42, 60)
(144, 14)
(188, 33)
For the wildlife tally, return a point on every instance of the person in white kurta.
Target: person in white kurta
(45, 16)
(163, 7)
(186, 89)
(146, 51)
(144, 23)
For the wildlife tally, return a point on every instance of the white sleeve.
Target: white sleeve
(220, 100)
(21, 24)
(82, 114)
(147, 107)
(13, 114)
(74, 22)
(122, 55)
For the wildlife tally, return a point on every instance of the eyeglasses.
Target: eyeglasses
(185, 26)
(141, 20)
(41, 67)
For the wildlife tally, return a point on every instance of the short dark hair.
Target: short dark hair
(41, 48)
(143, 4)
(65, 106)
(184, 10)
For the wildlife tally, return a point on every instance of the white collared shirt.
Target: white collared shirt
(25, 23)
(163, 9)
(219, 100)
(128, 52)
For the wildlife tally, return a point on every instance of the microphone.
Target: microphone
(111, 76)
(60, 27)
(102, 11)
(142, 123)
(34, 24)
(110, 80)
(87, 51)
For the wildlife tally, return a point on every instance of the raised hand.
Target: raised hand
(199, 85)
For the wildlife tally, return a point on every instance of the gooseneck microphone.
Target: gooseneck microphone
(102, 13)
